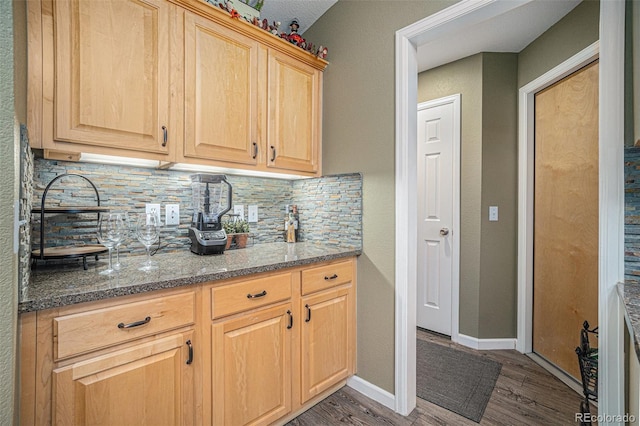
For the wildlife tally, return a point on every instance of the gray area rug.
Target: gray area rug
(455, 380)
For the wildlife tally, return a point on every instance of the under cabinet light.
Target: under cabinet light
(118, 161)
(186, 167)
(183, 167)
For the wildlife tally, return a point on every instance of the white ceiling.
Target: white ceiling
(284, 11)
(509, 32)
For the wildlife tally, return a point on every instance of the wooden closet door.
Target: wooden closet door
(565, 278)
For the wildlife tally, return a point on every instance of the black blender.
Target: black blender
(209, 204)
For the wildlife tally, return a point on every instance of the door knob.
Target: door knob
(444, 232)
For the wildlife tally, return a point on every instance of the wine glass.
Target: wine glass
(125, 235)
(148, 232)
(111, 230)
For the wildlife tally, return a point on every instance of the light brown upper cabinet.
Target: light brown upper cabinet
(107, 77)
(221, 93)
(176, 81)
(294, 114)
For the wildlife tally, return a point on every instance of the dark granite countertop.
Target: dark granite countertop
(58, 286)
(630, 294)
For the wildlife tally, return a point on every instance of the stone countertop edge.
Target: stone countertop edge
(57, 287)
(629, 293)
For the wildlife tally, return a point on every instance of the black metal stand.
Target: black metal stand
(67, 252)
(588, 361)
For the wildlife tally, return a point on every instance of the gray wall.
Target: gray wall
(631, 87)
(9, 138)
(358, 136)
(488, 276)
(498, 259)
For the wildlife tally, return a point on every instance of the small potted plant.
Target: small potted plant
(242, 233)
(238, 231)
(230, 229)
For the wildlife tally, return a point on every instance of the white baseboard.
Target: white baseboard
(486, 344)
(372, 391)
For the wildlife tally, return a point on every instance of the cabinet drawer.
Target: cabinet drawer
(245, 295)
(86, 331)
(326, 276)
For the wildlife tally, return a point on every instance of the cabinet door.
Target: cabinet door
(113, 73)
(294, 120)
(252, 367)
(327, 340)
(221, 93)
(147, 384)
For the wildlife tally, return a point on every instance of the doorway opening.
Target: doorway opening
(464, 15)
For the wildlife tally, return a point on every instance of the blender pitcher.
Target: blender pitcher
(211, 199)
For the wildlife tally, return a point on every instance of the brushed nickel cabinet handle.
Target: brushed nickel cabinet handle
(164, 136)
(134, 324)
(273, 153)
(308, 313)
(255, 151)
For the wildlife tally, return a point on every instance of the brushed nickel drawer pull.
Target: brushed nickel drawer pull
(332, 277)
(255, 296)
(134, 324)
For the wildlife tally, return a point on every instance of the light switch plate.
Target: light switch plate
(493, 213)
(239, 210)
(253, 214)
(172, 214)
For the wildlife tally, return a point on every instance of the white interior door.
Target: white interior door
(438, 188)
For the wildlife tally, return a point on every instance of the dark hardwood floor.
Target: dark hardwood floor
(525, 394)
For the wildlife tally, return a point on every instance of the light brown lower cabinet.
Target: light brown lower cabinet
(327, 348)
(255, 350)
(146, 384)
(252, 367)
(123, 361)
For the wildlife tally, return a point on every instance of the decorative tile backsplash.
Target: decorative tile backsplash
(632, 213)
(26, 194)
(330, 207)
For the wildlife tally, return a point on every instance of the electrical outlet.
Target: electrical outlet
(239, 210)
(172, 214)
(253, 214)
(152, 208)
